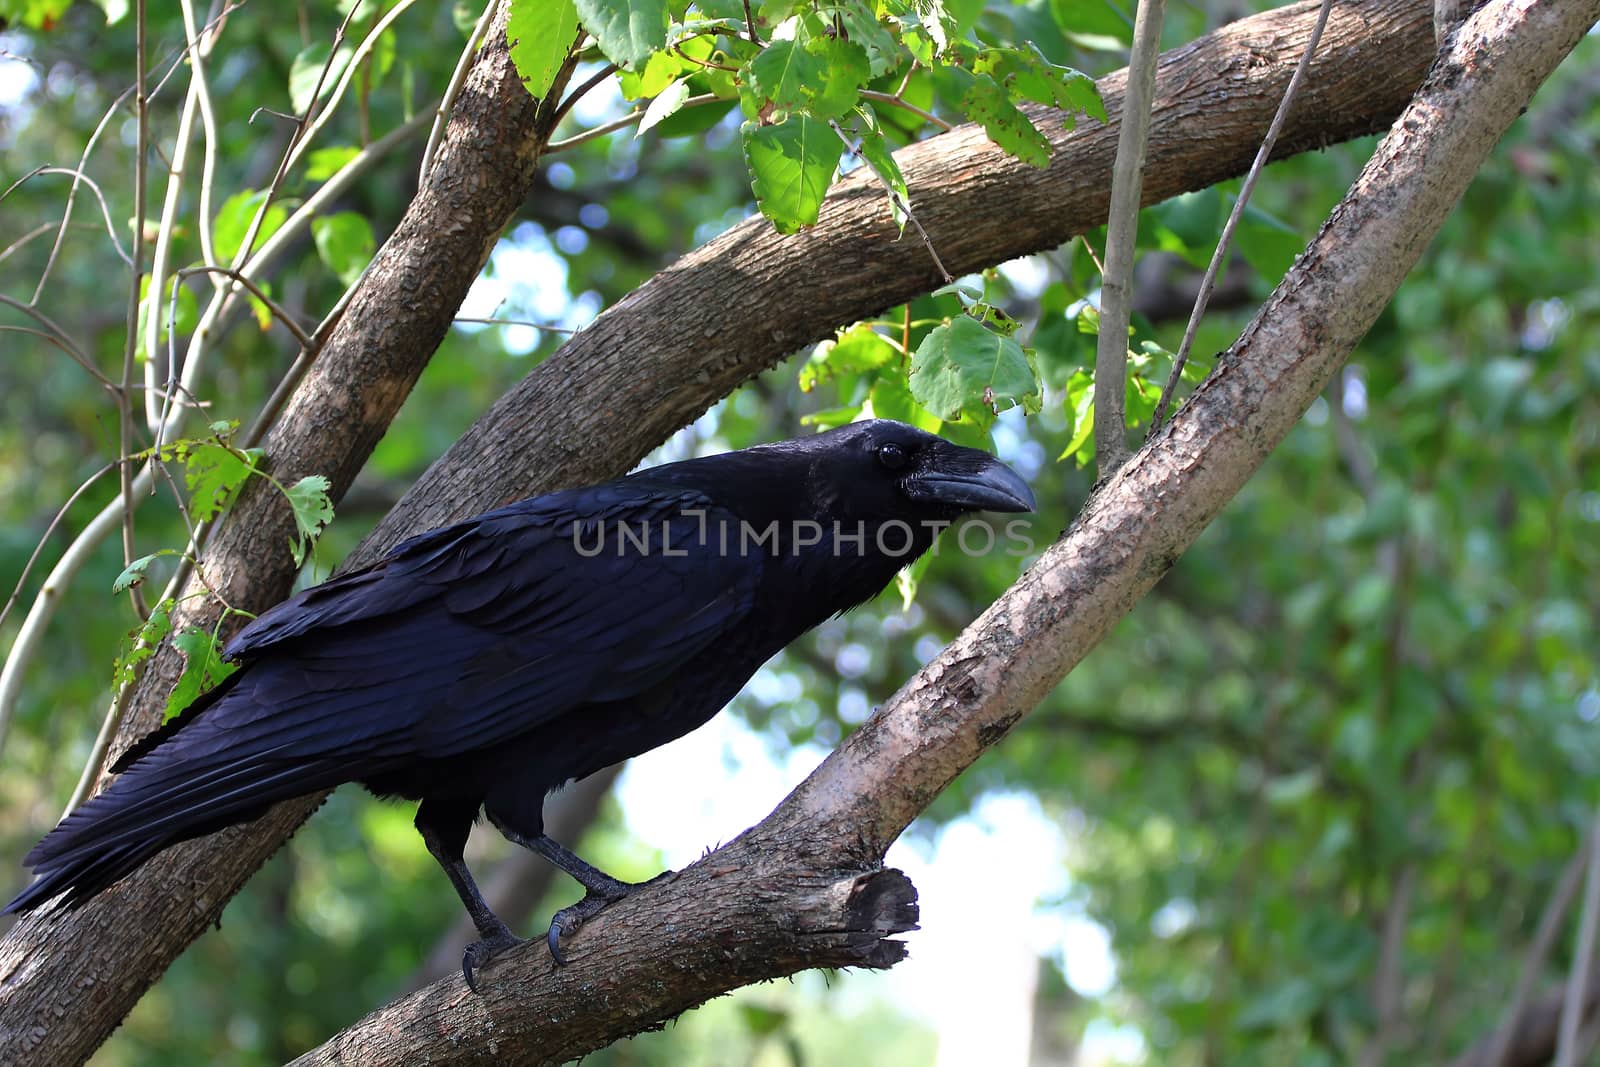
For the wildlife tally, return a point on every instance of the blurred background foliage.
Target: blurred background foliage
(1316, 790)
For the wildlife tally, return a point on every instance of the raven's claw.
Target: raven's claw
(479, 953)
(567, 921)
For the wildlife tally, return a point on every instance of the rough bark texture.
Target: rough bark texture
(69, 979)
(846, 814)
(649, 365)
(972, 695)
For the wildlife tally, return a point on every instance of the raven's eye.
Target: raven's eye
(892, 456)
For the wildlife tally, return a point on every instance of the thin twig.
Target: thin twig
(1209, 281)
(621, 124)
(44, 539)
(130, 340)
(583, 90)
(77, 177)
(903, 203)
(458, 78)
(199, 48)
(750, 25)
(516, 322)
(895, 101)
(1116, 283)
(1544, 936)
(72, 196)
(60, 338)
(1577, 995)
(278, 311)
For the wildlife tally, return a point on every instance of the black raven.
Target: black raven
(482, 665)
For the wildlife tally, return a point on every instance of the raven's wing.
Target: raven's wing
(462, 639)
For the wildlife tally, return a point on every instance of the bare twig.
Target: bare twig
(458, 78)
(1122, 226)
(131, 338)
(1577, 994)
(78, 177)
(894, 100)
(1544, 936)
(901, 202)
(1224, 242)
(622, 123)
(59, 337)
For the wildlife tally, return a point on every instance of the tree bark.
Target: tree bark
(650, 364)
(840, 821)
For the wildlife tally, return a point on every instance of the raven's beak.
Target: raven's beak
(971, 480)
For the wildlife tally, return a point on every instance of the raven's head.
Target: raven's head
(883, 469)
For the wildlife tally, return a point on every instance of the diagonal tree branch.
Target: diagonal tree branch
(752, 909)
(658, 358)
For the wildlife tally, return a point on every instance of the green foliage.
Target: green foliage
(1346, 679)
(540, 34)
(792, 164)
(203, 667)
(313, 509)
(963, 370)
(345, 243)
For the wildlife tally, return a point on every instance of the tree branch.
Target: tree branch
(742, 912)
(650, 364)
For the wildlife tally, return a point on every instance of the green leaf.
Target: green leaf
(875, 150)
(539, 34)
(828, 418)
(324, 163)
(1026, 73)
(139, 645)
(213, 472)
(305, 73)
(345, 243)
(313, 509)
(133, 573)
(845, 69)
(203, 668)
(233, 222)
(987, 103)
(660, 71)
(627, 30)
(665, 104)
(964, 371)
(855, 351)
(791, 166)
(1080, 412)
(891, 399)
(784, 76)
(873, 35)
(907, 579)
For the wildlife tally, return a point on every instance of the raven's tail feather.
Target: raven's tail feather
(161, 800)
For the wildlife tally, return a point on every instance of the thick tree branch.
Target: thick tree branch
(394, 321)
(697, 934)
(658, 358)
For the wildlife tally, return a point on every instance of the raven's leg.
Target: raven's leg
(444, 828)
(511, 816)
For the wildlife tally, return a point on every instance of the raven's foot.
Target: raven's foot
(479, 953)
(596, 899)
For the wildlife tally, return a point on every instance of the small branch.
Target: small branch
(59, 337)
(895, 101)
(458, 78)
(278, 311)
(78, 177)
(583, 90)
(904, 204)
(131, 337)
(1550, 922)
(1209, 281)
(1116, 289)
(1573, 1008)
(622, 123)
